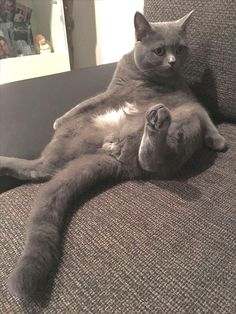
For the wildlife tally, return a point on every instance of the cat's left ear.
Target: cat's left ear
(142, 27)
(183, 22)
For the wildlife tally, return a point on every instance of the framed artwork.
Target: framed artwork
(7, 10)
(22, 39)
(22, 14)
(5, 42)
(16, 31)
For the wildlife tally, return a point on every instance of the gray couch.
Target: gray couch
(159, 246)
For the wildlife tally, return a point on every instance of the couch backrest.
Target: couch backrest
(211, 67)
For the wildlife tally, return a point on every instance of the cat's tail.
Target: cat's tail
(42, 248)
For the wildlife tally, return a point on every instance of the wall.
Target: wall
(104, 30)
(115, 28)
(42, 17)
(84, 33)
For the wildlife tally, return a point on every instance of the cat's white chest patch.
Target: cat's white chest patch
(115, 118)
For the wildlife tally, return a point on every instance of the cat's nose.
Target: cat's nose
(172, 61)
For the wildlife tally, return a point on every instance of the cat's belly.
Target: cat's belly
(123, 121)
(115, 119)
(119, 126)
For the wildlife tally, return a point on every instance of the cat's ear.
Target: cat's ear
(183, 22)
(142, 27)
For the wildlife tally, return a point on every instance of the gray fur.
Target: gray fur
(163, 132)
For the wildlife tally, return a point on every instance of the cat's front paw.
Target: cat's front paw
(158, 117)
(56, 124)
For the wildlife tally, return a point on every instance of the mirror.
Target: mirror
(42, 37)
(33, 39)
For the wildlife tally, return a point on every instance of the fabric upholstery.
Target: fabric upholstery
(165, 246)
(212, 63)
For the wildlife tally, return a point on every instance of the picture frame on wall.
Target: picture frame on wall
(7, 10)
(22, 14)
(6, 49)
(15, 29)
(22, 39)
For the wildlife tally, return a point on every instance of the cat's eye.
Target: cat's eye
(159, 51)
(179, 49)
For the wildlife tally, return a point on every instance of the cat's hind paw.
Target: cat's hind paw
(158, 117)
(216, 142)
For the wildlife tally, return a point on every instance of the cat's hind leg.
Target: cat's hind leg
(213, 139)
(153, 144)
(170, 139)
(33, 170)
(194, 122)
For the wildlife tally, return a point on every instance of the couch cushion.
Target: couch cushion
(212, 64)
(140, 247)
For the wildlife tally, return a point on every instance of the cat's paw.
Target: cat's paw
(216, 142)
(56, 124)
(158, 117)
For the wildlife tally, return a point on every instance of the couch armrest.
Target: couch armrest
(29, 108)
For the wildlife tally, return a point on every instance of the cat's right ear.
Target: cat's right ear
(142, 27)
(183, 22)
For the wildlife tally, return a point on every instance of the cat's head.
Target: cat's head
(161, 48)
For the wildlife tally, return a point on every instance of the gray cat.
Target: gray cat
(147, 121)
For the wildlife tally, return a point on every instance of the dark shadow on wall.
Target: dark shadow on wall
(68, 12)
(84, 34)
